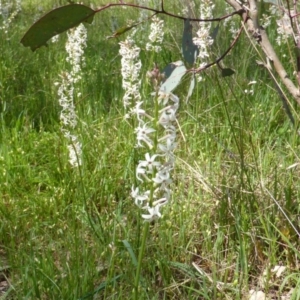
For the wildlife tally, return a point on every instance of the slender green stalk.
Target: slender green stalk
(146, 226)
(140, 259)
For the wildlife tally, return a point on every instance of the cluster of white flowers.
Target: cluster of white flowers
(154, 171)
(188, 8)
(130, 70)
(284, 29)
(9, 11)
(143, 13)
(203, 39)
(265, 20)
(68, 119)
(156, 35)
(55, 39)
(231, 22)
(155, 132)
(75, 46)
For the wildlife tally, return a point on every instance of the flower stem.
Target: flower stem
(141, 255)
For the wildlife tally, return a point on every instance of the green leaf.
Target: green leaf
(189, 50)
(121, 31)
(227, 72)
(185, 268)
(55, 22)
(101, 287)
(173, 74)
(131, 253)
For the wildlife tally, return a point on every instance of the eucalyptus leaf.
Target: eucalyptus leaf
(173, 74)
(55, 22)
(227, 72)
(189, 50)
(215, 32)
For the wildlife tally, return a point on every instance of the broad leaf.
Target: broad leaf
(55, 22)
(227, 72)
(189, 50)
(173, 74)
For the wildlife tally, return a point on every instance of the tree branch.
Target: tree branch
(260, 35)
(163, 11)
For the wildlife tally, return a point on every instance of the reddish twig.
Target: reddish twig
(162, 11)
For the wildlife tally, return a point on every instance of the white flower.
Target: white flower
(75, 153)
(139, 112)
(142, 135)
(150, 47)
(154, 170)
(157, 30)
(55, 39)
(168, 148)
(140, 170)
(203, 39)
(68, 115)
(139, 198)
(149, 164)
(251, 91)
(284, 25)
(163, 179)
(131, 66)
(7, 16)
(143, 14)
(146, 167)
(265, 21)
(252, 82)
(75, 46)
(170, 133)
(163, 98)
(167, 117)
(154, 212)
(156, 35)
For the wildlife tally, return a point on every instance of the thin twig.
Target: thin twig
(164, 12)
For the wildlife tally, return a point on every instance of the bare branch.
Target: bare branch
(271, 54)
(260, 35)
(253, 13)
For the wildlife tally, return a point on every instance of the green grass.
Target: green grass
(70, 233)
